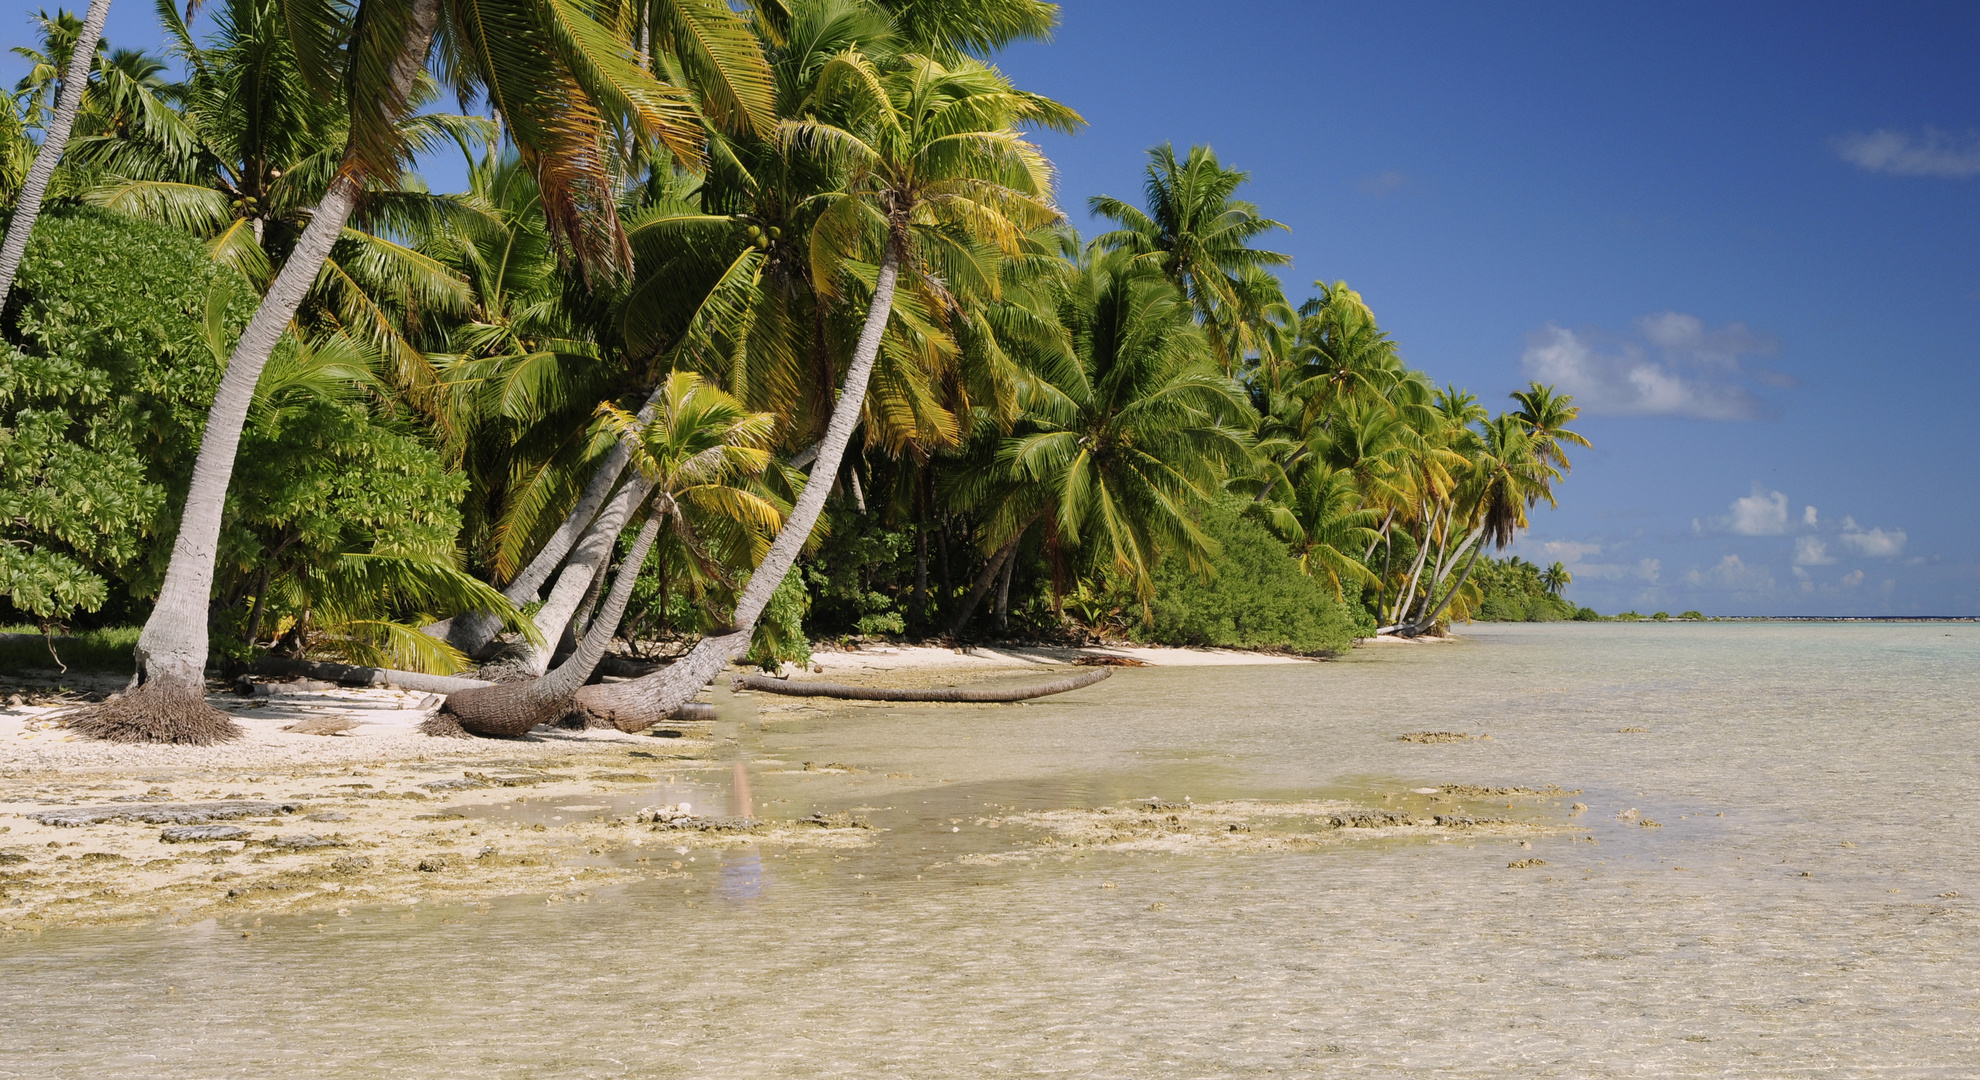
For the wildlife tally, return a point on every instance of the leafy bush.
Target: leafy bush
(1587, 614)
(780, 632)
(860, 577)
(1257, 598)
(105, 375)
(1695, 615)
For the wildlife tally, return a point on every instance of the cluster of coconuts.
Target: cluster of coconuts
(761, 238)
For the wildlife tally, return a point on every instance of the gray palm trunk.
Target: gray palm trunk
(472, 632)
(587, 564)
(513, 710)
(171, 651)
(1429, 619)
(28, 207)
(654, 696)
(984, 581)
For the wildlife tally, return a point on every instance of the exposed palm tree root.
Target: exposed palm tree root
(156, 713)
(806, 688)
(443, 726)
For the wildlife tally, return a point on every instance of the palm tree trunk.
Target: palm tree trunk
(1004, 592)
(588, 562)
(1407, 596)
(471, 632)
(921, 577)
(166, 700)
(1429, 620)
(512, 710)
(987, 578)
(28, 206)
(647, 700)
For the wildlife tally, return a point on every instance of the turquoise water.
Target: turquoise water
(1802, 933)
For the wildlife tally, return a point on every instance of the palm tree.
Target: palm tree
(1556, 578)
(27, 207)
(560, 79)
(1546, 416)
(690, 453)
(1122, 452)
(926, 147)
(1196, 232)
(1506, 478)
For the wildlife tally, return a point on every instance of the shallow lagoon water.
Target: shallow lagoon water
(1804, 933)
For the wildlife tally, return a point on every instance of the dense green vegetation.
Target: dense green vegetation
(1136, 435)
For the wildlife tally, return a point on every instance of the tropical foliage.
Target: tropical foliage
(647, 308)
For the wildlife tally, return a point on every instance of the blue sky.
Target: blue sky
(1746, 237)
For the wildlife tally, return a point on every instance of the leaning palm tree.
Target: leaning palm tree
(561, 80)
(27, 207)
(691, 454)
(925, 146)
(1507, 477)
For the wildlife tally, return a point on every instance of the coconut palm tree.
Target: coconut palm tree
(561, 81)
(1126, 450)
(1198, 234)
(1556, 578)
(27, 207)
(691, 452)
(1507, 476)
(925, 147)
(1546, 416)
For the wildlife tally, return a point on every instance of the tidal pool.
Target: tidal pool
(1803, 904)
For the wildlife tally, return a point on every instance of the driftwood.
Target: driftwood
(807, 688)
(353, 675)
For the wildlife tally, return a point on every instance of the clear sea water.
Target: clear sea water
(1806, 932)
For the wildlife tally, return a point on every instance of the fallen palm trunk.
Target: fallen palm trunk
(806, 688)
(365, 676)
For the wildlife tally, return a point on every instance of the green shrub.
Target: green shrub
(1257, 598)
(1662, 616)
(1699, 616)
(1587, 614)
(779, 632)
(105, 376)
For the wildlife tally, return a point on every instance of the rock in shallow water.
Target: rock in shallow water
(186, 834)
(166, 814)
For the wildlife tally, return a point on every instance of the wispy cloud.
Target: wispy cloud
(1673, 365)
(1899, 153)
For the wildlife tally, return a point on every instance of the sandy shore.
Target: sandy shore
(377, 813)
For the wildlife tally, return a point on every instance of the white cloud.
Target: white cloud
(1763, 513)
(1811, 551)
(1648, 569)
(1568, 551)
(1852, 579)
(1677, 368)
(1732, 573)
(1899, 153)
(1808, 516)
(1873, 543)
